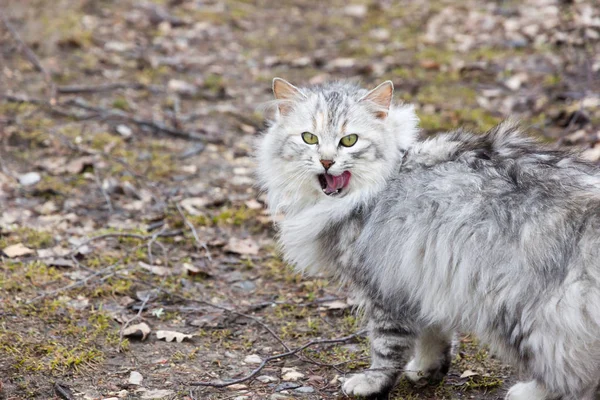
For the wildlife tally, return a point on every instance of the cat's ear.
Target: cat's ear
(286, 93)
(381, 98)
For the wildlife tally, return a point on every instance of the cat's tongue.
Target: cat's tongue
(334, 183)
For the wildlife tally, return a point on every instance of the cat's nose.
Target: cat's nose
(327, 164)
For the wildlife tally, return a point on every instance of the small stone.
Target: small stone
(515, 82)
(182, 87)
(380, 34)
(287, 386)
(356, 10)
(241, 398)
(253, 359)
(237, 386)
(266, 379)
(135, 378)
(124, 131)
(157, 394)
(291, 375)
(277, 396)
(305, 389)
(245, 286)
(30, 178)
(341, 63)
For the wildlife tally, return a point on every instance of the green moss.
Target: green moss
(442, 95)
(482, 383)
(435, 122)
(102, 139)
(121, 103)
(32, 238)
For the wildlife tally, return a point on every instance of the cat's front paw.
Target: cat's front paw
(374, 385)
(527, 391)
(422, 371)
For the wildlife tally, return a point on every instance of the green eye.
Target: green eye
(349, 141)
(309, 138)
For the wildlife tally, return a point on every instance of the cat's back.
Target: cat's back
(503, 163)
(502, 189)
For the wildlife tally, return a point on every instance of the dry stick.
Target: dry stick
(107, 87)
(152, 242)
(103, 191)
(199, 244)
(130, 320)
(99, 112)
(30, 55)
(208, 303)
(244, 315)
(120, 234)
(95, 274)
(264, 363)
(75, 284)
(140, 178)
(158, 126)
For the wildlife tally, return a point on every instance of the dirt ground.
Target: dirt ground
(127, 205)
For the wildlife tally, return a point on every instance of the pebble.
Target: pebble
(253, 359)
(291, 375)
(286, 386)
(30, 178)
(124, 131)
(266, 379)
(305, 389)
(237, 386)
(245, 286)
(277, 396)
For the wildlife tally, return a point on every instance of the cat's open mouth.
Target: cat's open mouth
(333, 185)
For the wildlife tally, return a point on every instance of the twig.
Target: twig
(241, 314)
(130, 320)
(75, 284)
(199, 244)
(152, 242)
(30, 55)
(99, 112)
(264, 363)
(107, 87)
(121, 234)
(103, 191)
(118, 114)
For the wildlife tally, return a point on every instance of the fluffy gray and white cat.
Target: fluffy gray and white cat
(493, 234)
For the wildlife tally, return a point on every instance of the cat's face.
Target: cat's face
(327, 142)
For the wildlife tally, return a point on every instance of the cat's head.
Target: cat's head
(331, 142)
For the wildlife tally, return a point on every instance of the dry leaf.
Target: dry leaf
(468, 373)
(336, 305)
(169, 336)
(17, 250)
(77, 165)
(242, 246)
(140, 330)
(193, 205)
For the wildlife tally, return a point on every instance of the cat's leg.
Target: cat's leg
(531, 390)
(433, 355)
(390, 343)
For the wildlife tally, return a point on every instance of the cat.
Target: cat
(494, 234)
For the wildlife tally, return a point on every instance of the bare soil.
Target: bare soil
(127, 192)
